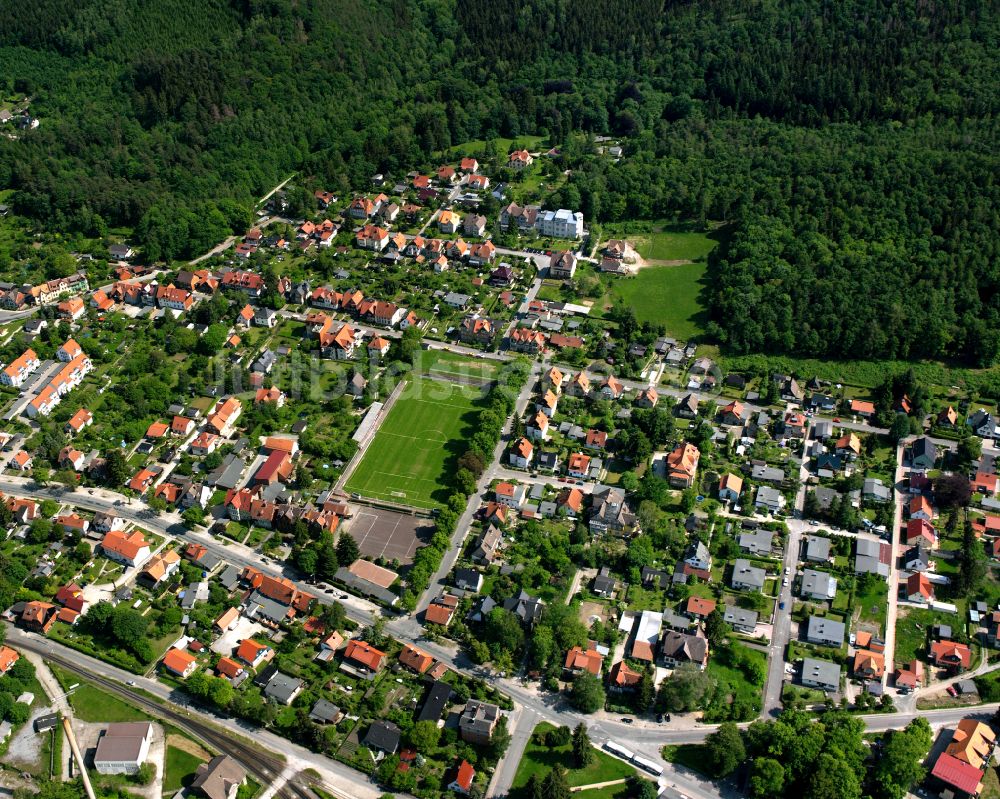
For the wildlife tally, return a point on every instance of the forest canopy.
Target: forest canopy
(850, 146)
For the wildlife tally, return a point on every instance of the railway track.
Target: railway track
(264, 768)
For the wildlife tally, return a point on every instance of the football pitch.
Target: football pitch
(411, 458)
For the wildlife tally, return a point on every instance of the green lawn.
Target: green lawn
(477, 146)
(692, 756)
(540, 759)
(453, 364)
(179, 768)
(410, 460)
(670, 295)
(90, 703)
(911, 631)
(664, 245)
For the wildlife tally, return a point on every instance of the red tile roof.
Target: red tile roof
(365, 654)
(952, 771)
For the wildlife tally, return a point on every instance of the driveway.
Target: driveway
(229, 640)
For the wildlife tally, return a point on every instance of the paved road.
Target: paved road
(781, 629)
(892, 610)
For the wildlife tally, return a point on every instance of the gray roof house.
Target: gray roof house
(916, 559)
(923, 453)
(324, 712)
(874, 490)
(604, 584)
(872, 557)
(282, 688)
(767, 474)
(747, 577)
(468, 579)
(758, 542)
(817, 549)
(821, 674)
(825, 497)
(437, 700)
(741, 619)
(230, 577)
(697, 556)
(526, 607)
(818, 585)
(382, 736)
(827, 632)
(769, 499)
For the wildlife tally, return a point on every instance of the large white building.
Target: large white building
(561, 224)
(123, 747)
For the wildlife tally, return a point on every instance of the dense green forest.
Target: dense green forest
(850, 145)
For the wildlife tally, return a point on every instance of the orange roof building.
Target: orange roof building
(364, 656)
(682, 465)
(180, 662)
(253, 653)
(415, 659)
(579, 660)
(227, 667)
(8, 657)
(624, 678)
(972, 743)
(869, 665)
(129, 548)
(699, 607)
(157, 430)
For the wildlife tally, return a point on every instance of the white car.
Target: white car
(785, 582)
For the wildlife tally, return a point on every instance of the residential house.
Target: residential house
(678, 648)
(868, 665)
(817, 549)
(740, 619)
(487, 546)
(682, 465)
(610, 514)
(579, 660)
(821, 674)
(562, 265)
(697, 556)
(699, 607)
(131, 549)
(623, 679)
(747, 577)
(522, 453)
(919, 588)
(180, 662)
(817, 585)
(769, 499)
(519, 160)
(477, 722)
(282, 688)
(757, 542)
(382, 736)
(910, 677)
(950, 655)
(874, 490)
(362, 659)
(826, 632)
(464, 776)
(647, 398)
(219, 778)
(923, 454)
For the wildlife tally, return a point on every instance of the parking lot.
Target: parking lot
(388, 534)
